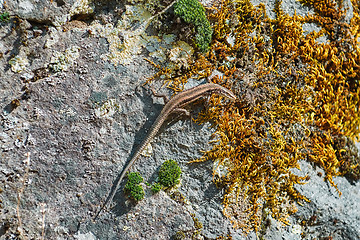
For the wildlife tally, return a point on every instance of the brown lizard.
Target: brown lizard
(175, 104)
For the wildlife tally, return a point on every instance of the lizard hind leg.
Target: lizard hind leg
(183, 111)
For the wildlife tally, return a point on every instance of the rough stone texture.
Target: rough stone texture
(156, 217)
(327, 215)
(79, 118)
(55, 12)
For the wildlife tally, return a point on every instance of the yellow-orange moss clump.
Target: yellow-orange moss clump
(297, 98)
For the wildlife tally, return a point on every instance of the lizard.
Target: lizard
(175, 104)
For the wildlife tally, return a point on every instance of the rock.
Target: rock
(70, 97)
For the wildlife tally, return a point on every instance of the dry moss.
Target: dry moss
(296, 97)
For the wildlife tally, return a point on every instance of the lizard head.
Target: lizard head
(222, 91)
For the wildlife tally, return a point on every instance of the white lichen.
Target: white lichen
(60, 20)
(62, 61)
(53, 37)
(82, 7)
(68, 112)
(124, 42)
(18, 64)
(107, 109)
(127, 38)
(181, 54)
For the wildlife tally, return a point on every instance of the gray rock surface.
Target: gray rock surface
(81, 115)
(327, 215)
